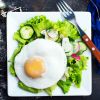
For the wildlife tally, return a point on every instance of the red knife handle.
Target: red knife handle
(92, 47)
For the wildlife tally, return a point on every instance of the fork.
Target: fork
(68, 14)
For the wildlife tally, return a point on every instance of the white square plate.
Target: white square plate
(13, 21)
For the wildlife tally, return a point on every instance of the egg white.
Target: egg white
(54, 59)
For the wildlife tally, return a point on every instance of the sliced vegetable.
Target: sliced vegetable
(26, 32)
(29, 89)
(76, 56)
(69, 53)
(76, 47)
(59, 40)
(83, 48)
(67, 46)
(43, 32)
(51, 34)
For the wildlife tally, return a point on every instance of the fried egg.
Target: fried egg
(40, 64)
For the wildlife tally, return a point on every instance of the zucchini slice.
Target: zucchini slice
(26, 32)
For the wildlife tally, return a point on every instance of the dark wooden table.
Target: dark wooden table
(41, 5)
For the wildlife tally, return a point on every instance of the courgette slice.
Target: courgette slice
(26, 32)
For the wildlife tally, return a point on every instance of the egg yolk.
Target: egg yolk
(34, 67)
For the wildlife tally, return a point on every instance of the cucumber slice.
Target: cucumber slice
(43, 32)
(59, 40)
(69, 53)
(83, 47)
(76, 47)
(67, 46)
(52, 34)
(26, 32)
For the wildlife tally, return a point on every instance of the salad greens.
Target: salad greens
(75, 69)
(64, 29)
(50, 89)
(16, 51)
(38, 23)
(64, 85)
(24, 87)
(18, 38)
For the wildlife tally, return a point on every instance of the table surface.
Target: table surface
(40, 5)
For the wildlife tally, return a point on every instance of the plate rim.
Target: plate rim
(47, 95)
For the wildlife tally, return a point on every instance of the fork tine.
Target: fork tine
(60, 9)
(63, 5)
(66, 6)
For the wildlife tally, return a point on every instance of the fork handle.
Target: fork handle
(92, 47)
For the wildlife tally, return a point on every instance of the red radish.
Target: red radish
(76, 56)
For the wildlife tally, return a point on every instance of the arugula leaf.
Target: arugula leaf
(29, 89)
(50, 89)
(64, 85)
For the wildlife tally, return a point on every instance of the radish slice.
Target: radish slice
(76, 57)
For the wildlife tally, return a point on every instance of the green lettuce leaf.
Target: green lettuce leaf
(18, 38)
(38, 23)
(16, 51)
(66, 29)
(75, 77)
(12, 59)
(50, 89)
(76, 68)
(12, 70)
(64, 85)
(26, 88)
